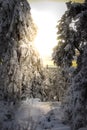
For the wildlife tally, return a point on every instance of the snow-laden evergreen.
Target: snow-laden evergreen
(20, 64)
(72, 42)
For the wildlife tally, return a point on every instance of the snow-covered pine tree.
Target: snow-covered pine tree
(79, 85)
(19, 60)
(72, 36)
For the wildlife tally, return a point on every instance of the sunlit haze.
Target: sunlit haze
(45, 15)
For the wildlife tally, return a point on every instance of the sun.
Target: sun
(45, 15)
(46, 36)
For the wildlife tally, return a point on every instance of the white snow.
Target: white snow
(42, 115)
(32, 114)
(83, 128)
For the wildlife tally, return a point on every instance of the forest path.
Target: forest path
(43, 115)
(32, 114)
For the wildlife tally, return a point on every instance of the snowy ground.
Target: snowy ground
(32, 115)
(44, 115)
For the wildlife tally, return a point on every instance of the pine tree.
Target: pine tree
(72, 36)
(19, 60)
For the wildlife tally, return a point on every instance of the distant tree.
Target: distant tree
(72, 38)
(54, 84)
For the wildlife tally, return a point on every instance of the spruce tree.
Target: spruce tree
(72, 38)
(19, 60)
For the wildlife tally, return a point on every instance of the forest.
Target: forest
(34, 97)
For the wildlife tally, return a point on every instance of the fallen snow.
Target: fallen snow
(83, 129)
(32, 114)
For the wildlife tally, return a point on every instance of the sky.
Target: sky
(46, 14)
